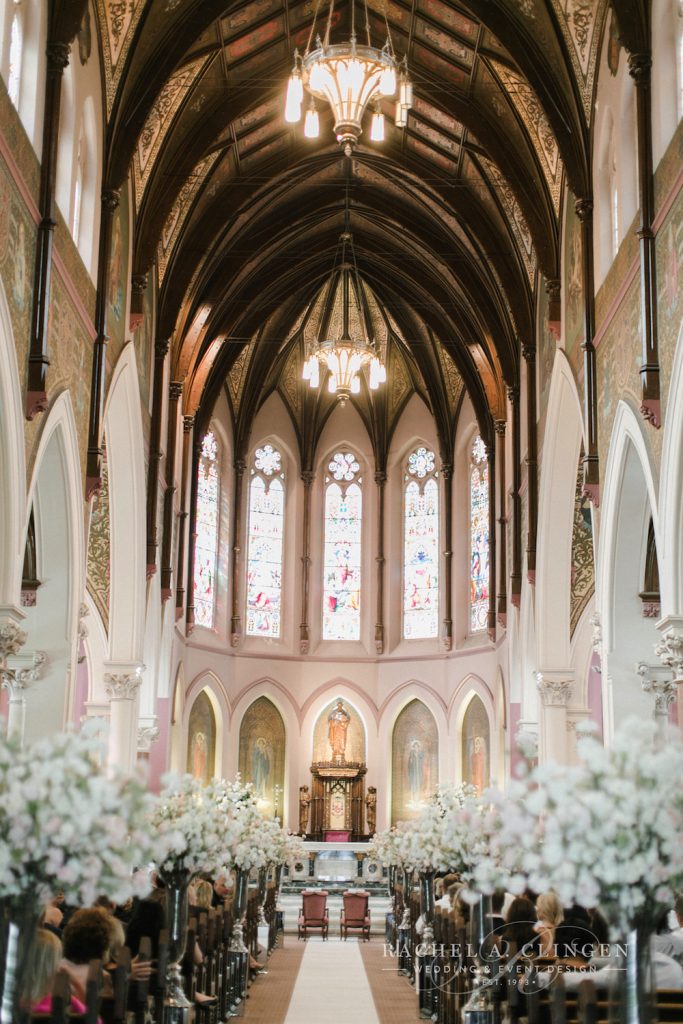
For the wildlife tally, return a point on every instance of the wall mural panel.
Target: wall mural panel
(201, 739)
(583, 571)
(476, 745)
(331, 737)
(573, 289)
(99, 547)
(262, 755)
(118, 278)
(414, 761)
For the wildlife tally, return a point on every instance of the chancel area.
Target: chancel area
(341, 543)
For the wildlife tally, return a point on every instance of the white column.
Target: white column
(555, 690)
(121, 684)
(12, 639)
(656, 680)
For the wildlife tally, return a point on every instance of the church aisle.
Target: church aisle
(332, 986)
(270, 995)
(395, 998)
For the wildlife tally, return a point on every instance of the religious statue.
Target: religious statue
(371, 810)
(478, 764)
(304, 807)
(338, 724)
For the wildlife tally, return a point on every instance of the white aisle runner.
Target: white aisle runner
(332, 986)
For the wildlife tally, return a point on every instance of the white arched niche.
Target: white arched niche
(629, 502)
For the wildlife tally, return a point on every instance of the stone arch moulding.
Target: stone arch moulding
(630, 498)
(207, 683)
(627, 435)
(561, 449)
(390, 711)
(671, 493)
(123, 430)
(13, 515)
(56, 482)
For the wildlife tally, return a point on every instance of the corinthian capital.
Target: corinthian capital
(123, 685)
(555, 688)
(147, 734)
(656, 680)
(669, 650)
(12, 638)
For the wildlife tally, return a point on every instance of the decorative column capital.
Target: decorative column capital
(669, 650)
(161, 347)
(447, 470)
(240, 465)
(147, 734)
(188, 424)
(125, 684)
(17, 679)
(513, 394)
(138, 283)
(12, 638)
(555, 688)
(639, 67)
(57, 56)
(583, 209)
(175, 390)
(380, 477)
(656, 680)
(307, 476)
(111, 198)
(529, 351)
(596, 636)
(499, 427)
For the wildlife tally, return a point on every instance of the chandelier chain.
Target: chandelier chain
(313, 23)
(328, 27)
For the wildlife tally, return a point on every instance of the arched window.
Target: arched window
(206, 546)
(479, 536)
(15, 54)
(343, 510)
(264, 557)
(421, 547)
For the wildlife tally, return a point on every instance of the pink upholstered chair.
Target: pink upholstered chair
(355, 914)
(313, 913)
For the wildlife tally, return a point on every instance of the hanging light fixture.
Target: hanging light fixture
(344, 340)
(350, 76)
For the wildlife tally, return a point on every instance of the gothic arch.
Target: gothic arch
(123, 431)
(557, 486)
(12, 463)
(630, 499)
(263, 761)
(670, 538)
(54, 494)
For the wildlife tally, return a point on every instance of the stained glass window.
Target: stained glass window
(343, 518)
(479, 536)
(206, 546)
(421, 547)
(15, 51)
(264, 556)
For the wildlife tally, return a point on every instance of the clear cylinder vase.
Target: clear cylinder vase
(239, 907)
(427, 904)
(18, 922)
(177, 1006)
(262, 889)
(632, 999)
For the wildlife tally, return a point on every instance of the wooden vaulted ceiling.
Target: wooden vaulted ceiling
(453, 218)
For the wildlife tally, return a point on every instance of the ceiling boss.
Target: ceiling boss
(351, 76)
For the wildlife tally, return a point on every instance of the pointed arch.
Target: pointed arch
(127, 498)
(561, 447)
(12, 463)
(670, 538)
(262, 755)
(629, 500)
(414, 760)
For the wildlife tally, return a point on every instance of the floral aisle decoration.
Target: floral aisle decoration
(65, 826)
(605, 832)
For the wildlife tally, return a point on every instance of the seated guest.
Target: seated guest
(87, 936)
(44, 958)
(201, 894)
(445, 900)
(667, 974)
(147, 920)
(519, 927)
(221, 891)
(550, 915)
(668, 942)
(573, 937)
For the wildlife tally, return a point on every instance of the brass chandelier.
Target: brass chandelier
(352, 77)
(346, 337)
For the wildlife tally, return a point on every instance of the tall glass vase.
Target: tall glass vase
(18, 922)
(479, 1008)
(631, 994)
(427, 905)
(262, 889)
(407, 890)
(239, 907)
(176, 1004)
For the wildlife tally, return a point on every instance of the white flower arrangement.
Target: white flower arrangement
(607, 831)
(66, 826)
(196, 824)
(293, 849)
(428, 842)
